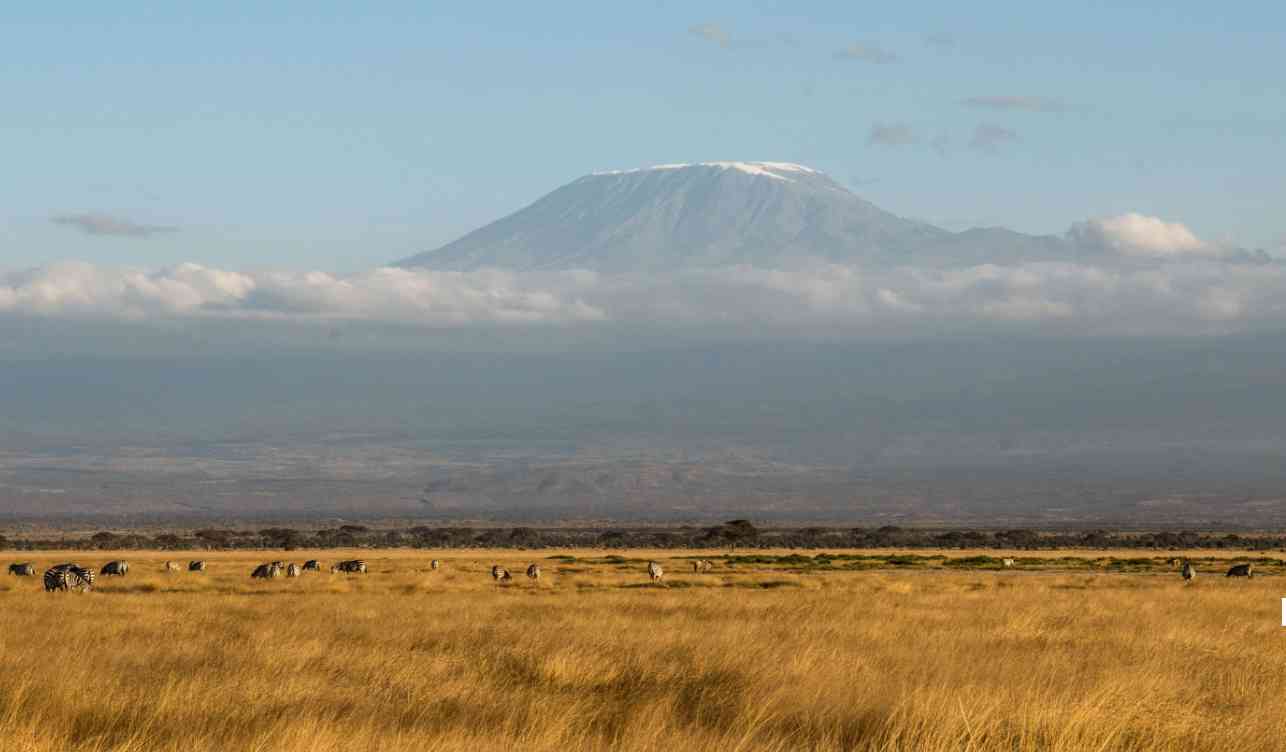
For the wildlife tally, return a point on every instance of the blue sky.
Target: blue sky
(340, 136)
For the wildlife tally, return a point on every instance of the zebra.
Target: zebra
(115, 568)
(196, 566)
(352, 566)
(1007, 563)
(266, 571)
(1241, 570)
(434, 565)
(533, 572)
(1189, 571)
(654, 571)
(312, 565)
(67, 577)
(293, 570)
(172, 566)
(701, 565)
(500, 574)
(24, 569)
(279, 564)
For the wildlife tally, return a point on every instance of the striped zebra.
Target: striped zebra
(352, 566)
(68, 577)
(500, 574)
(533, 572)
(435, 565)
(1241, 570)
(1189, 571)
(172, 566)
(312, 565)
(1007, 563)
(293, 570)
(654, 571)
(196, 566)
(701, 565)
(266, 571)
(23, 569)
(115, 569)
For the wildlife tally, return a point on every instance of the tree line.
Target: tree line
(732, 534)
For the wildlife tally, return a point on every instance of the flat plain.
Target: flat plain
(770, 650)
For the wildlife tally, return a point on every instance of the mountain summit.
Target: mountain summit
(713, 214)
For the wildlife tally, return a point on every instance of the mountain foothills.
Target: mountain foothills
(711, 214)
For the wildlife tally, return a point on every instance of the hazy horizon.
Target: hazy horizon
(1002, 263)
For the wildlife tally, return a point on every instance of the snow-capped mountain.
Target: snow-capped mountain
(712, 214)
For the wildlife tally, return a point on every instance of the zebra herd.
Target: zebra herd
(66, 577)
(278, 568)
(69, 576)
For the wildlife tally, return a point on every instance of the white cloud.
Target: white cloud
(1140, 235)
(867, 53)
(1186, 294)
(387, 294)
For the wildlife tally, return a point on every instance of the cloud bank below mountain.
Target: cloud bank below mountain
(1136, 275)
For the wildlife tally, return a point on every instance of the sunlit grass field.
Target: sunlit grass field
(877, 651)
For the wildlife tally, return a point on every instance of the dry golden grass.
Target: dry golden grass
(760, 657)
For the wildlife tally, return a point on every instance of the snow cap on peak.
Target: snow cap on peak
(766, 169)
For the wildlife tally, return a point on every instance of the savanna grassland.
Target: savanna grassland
(856, 650)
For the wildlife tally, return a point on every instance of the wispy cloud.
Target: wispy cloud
(107, 225)
(891, 134)
(940, 41)
(711, 32)
(991, 138)
(867, 53)
(1024, 103)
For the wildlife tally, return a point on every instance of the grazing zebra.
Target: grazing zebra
(172, 566)
(312, 565)
(69, 577)
(500, 574)
(115, 569)
(1007, 563)
(434, 565)
(701, 565)
(266, 571)
(533, 572)
(196, 566)
(1241, 570)
(1189, 571)
(654, 571)
(24, 569)
(293, 570)
(352, 566)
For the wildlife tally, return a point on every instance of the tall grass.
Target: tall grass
(408, 659)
